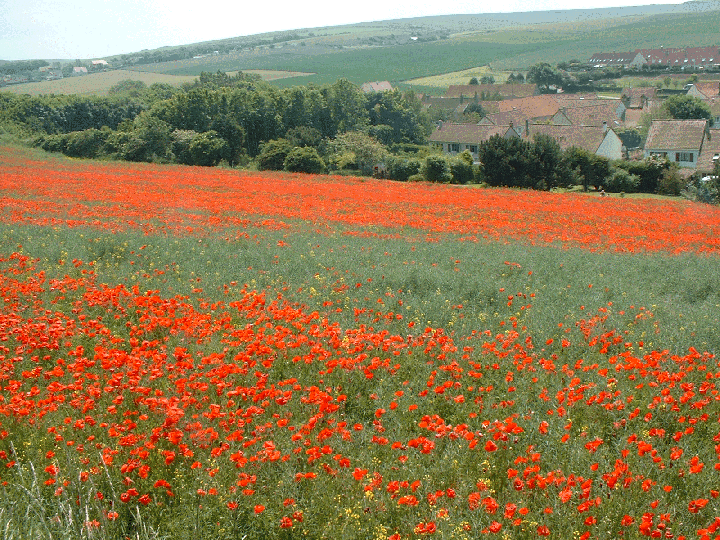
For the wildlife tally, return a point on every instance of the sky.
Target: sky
(91, 29)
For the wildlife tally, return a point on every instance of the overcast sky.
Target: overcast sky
(87, 29)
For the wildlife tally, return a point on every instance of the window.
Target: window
(454, 147)
(684, 156)
(473, 149)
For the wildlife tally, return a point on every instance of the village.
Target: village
(593, 121)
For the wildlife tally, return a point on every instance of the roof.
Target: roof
(708, 88)
(636, 98)
(676, 134)
(532, 107)
(594, 114)
(507, 91)
(377, 86)
(465, 133)
(588, 137)
(614, 58)
(710, 149)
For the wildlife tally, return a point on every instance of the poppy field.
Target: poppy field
(206, 353)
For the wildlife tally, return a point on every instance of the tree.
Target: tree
(487, 79)
(506, 162)
(474, 81)
(359, 148)
(684, 107)
(437, 169)
(273, 153)
(545, 76)
(304, 159)
(207, 149)
(590, 169)
(549, 170)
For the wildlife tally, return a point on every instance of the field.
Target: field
(99, 83)
(207, 353)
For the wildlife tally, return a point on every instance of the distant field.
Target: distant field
(95, 83)
(358, 65)
(459, 77)
(100, 83)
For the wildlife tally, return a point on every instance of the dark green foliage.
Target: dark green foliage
(474, 81)
(549, 169)
(590, 169)
(462, 170)
(128, 87)
(505, 162)
(304, 136)
(150, 140)
(273, 153)
(682, 107)
(304, 159)
(207, 149)
(630, 137)
(621, 181)
(649, 172)
(545, 76)
(671, 181)
(403, 168)
(232, 133)
(437, 169)
(86, 144)
(487, 79)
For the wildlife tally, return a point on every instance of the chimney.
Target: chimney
(527, 127)
(605, 127)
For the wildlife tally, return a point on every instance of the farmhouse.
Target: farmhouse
(455, 138)
(710, 153)
(601, 140)
(680, 141)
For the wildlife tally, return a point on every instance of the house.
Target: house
(545, 105)
(81, 70)
(377, 86)
(710, 153)
(704, 90)
(621, 59)
(681, 141)
(592, 113)
(638, 98)
(599, 140)
(455, 138)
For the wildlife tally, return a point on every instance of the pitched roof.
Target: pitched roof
(636, 98)
(532, 107)
(676, 134)
(588, 137)
(708, 88)
(710, 149)
(377, 86)
(465, 133)
(594, 114)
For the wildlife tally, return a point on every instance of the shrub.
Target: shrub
(622, 181)
(403, 169)
(273, 153)
(671, 181)
(437, 169)
(462, 168)
(304, 159)
(207, 149)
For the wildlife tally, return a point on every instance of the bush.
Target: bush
(462, 168)
(207, 149)
(273, 153)
(304, 159)
(437, 169)
(622, 181)
(403, 169)
(671, 181)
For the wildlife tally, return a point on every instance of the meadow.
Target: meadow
(209, 353)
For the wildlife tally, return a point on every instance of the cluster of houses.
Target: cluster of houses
(692, 57)
(583, 120)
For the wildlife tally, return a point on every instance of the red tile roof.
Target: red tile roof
(507, 91)
(465, 133)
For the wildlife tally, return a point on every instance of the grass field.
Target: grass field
(206, 353)
(100, 83)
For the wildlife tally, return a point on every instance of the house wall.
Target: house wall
(672, 155)
(611, 147)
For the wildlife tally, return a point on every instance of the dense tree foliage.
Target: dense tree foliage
(683, 107)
